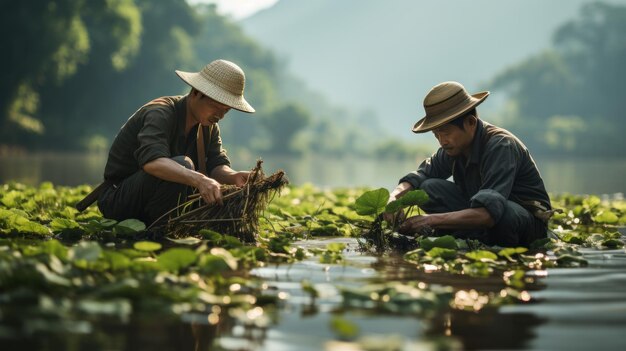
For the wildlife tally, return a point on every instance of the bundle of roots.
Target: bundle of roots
(237, 216)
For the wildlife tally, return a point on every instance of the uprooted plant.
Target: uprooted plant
(237, 216)
(379, 235)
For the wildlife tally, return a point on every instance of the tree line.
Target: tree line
(75, 70)
(78, 69)
(570, 98)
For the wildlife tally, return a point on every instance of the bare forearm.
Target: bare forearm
(167, 169)
(223, 174)
(400, 190)
(471, 218)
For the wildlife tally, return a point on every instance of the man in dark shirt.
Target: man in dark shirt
(497, 195)
(172, 145)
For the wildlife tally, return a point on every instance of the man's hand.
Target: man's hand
(397, 193)
(240, 178)
(210, 191)
(394, 217)
(227, 175)
(416, 225)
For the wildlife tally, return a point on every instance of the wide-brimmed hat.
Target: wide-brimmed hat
(445, 102)
(222, 81)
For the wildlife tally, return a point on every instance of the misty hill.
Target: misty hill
(385, 55)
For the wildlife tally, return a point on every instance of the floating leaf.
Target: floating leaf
(336, 247)
(606, 217)
(148, 246)
(477, 269)
(592, 201)
(344, 328)
(571, 260)
(11, 198)
(176, 259)
(482, 256)
(613, 243)
(85, 250)
(16, 221)
(226, 255)
(372, 202)
(121, 308)
(446, 254)
(510, 251)
(129, 227)
(116, 260)
(211, 235)
(446, 241)
(190, 240)
(63, 224)
(50, 276)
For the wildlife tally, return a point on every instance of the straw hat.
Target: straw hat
(445, 102)
(222, 81)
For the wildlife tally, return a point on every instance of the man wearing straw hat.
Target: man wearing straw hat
(497, 196)
(171, 145)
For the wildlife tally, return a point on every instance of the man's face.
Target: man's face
(454, 140)
(207, 111)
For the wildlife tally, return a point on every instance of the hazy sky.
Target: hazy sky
(238, 9)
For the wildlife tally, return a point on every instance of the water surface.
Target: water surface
(571, 175)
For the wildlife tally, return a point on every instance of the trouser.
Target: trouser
(516, 227)
(143, 196)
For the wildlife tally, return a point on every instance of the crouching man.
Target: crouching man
(497, 195)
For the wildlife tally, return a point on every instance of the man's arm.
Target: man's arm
(397, 193)
(400, 190)
(168, 169)
(471, 218)
(226, 175)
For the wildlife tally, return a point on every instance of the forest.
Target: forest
(76, 70)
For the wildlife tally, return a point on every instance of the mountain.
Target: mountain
(386, 55)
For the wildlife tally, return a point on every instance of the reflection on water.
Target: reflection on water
(581, 308)
(577, 176)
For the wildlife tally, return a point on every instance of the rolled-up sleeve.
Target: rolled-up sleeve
(216, 154)
(492, 201)
(498, 173)
(153, 137)
(439, 165)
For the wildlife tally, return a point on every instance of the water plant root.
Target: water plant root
(237, 216)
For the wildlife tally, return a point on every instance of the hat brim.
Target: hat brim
(427, 123)
(196, 81)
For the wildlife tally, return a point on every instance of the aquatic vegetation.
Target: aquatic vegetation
(237, 216)
(61, 270)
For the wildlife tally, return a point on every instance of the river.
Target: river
(561, 175)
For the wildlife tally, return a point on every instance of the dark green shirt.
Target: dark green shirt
(158, 130)
(498, 161)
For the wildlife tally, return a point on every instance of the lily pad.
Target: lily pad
(606, 217)
(190, 240)
(446, 241)
(482, 256)
(129, 227)
(176, 259)
(148, 246)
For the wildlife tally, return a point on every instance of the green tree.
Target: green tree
(42, 41)
(570, 98)
(106, 90)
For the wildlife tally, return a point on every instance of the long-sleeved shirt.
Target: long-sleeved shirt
(498, 161)
(158, 130)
